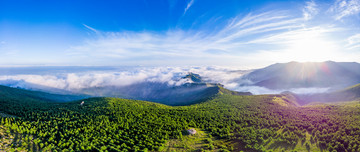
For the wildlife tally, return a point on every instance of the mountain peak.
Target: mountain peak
(193, 77)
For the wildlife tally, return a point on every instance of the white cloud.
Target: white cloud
(172, 76)
(303, 45)
(263, 24)
(344, 8)
(188, 6)
(354, 41)
(263, 90)
(281, 34)
(91, 29)
(311, 90)
(187, 45)
(310, 10)
(79, 80)
(257, 90)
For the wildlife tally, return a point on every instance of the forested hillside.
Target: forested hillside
(247, 123)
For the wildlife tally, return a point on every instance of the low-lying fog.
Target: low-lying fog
(77, 79)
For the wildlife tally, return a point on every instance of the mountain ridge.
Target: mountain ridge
(194, 90)
(329, 74)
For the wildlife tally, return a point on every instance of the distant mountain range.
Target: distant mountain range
(282, 76)
(192, 89)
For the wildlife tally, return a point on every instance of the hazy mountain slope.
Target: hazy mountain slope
(9, 93)
(352, 92)
(16, 101)
(349, 94)
(330, 74)
(35, 87)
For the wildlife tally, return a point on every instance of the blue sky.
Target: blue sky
(246, 34)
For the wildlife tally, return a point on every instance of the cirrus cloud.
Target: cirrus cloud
(233, 43)
(344, 8)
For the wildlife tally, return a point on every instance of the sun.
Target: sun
(311, 45)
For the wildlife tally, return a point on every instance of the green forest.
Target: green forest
(231, 123)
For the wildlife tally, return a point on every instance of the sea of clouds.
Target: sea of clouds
(73, 79)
